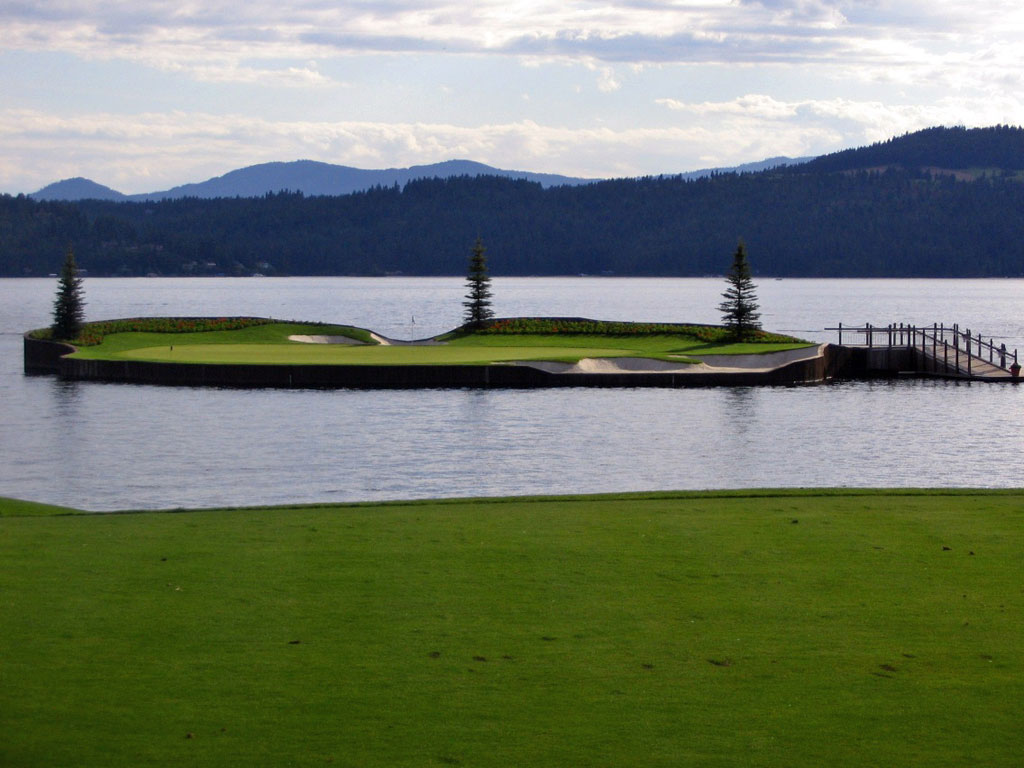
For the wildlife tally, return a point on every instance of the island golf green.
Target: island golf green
(275, 343)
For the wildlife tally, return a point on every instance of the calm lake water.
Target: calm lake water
(109, 446)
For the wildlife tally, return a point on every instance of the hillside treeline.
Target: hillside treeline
(897, 223)
(998, 146)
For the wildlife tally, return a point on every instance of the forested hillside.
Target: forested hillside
(835, 220)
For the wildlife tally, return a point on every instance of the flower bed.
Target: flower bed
(93, 333)
(540, 325)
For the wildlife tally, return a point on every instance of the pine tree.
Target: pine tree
(69, 307)
(739, 310)
(478, 287)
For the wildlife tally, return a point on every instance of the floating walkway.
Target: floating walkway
(937, 350)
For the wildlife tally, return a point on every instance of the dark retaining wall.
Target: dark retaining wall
(44, 356)
(871, 363)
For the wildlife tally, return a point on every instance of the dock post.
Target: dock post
(869, 334)
(1002, 355)
(840, 334)
(945, 357)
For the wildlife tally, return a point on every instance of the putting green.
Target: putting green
(271, 343)
(340, 354)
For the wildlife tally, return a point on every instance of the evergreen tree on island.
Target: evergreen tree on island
(739, 310)
(69, 307)
(478, 287)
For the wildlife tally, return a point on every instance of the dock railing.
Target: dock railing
(958, 350)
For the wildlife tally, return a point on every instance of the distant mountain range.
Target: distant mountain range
(313, 178)
(942, 202)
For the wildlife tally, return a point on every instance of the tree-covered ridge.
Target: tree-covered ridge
(805, 221)
(958, 148)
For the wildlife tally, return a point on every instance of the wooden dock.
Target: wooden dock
(937, 350)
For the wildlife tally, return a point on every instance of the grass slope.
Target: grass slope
(18, 508)
(767, 628)
(268, 344)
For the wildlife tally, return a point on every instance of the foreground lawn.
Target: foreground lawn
(771, 629)
(269, 345)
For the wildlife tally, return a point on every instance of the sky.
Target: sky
(143, 95)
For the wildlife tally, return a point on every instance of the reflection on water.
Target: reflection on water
(67, 396)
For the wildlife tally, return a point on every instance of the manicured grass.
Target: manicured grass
(338, 354)
(18, 508)
(720, 629)
(116, 344)
(268, 344)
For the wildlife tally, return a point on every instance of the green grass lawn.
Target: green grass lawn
(117, 345)
(712, 629)
(338, 354)
(268, 344)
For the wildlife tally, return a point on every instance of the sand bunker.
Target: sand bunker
(609, 365)
(708, 364)
(385, 341)
(324, 339)
(765, 362)
(382, 340)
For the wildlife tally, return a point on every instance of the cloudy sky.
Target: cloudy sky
(142, 95)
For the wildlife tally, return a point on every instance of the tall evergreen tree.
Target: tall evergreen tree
(739, 310)
(69, 307)
(478, 288)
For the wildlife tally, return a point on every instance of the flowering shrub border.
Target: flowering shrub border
(93, 333)
(544, 325)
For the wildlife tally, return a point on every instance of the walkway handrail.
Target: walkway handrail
(949, 343)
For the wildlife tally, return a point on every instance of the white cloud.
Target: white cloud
(891, 118)
(762, 124)
(159, 150)
(842, 73)
(895, 32)
(228, 72)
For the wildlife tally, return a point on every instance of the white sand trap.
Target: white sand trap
(385, 341)
(324, 339)
(765, 362)
(629, 365)
(709, 363)
(610, 365)
(382, 340)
